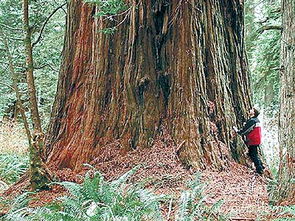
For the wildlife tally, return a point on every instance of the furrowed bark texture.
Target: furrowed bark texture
(174, 63)
(287, 108)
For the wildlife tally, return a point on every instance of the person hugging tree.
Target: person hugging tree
(252, 137)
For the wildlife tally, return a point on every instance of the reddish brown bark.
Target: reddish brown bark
(177, 63)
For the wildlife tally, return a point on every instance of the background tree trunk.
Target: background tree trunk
(17, 92)
(39, 174)
(287, 109)
(180, 64)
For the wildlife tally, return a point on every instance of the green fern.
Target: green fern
(19, 208)
(12, 167)
(151, 203)
(95, 199)
(73, 188)
(98, 200)
(122, 180)
(192, 204)
(288, 211)
(183, 211)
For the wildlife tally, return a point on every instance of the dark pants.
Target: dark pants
(253, 153)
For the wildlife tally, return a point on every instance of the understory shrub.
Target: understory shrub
(288, 211)
(101, 200)
(192, 204)
(12, 166)
(97, 199)
(13, 153)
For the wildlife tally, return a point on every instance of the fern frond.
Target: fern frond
(96, 200)
(122, 180)
(73, 188)
(19, 214)
(183, 206)
(92, 186)
(151, 202)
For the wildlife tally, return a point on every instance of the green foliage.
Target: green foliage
(108, 7)
(46, 53)
(192, 205)
(275, 188)
(97, 199)
(285, 210)
(12, 167)
(282, 213)
(266, 75)
(108, 30)
(19, 207)
(13, 154)
(263, 49)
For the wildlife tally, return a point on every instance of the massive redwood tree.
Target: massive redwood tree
(180, 64)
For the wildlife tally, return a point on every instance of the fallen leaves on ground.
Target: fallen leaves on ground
(243, 192)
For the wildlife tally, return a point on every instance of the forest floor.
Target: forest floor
(243, 192)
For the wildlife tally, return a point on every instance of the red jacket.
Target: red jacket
(254, 136)
(252, 131)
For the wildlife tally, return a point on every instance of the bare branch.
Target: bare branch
(45, 23)
(7, 85)
(270, 27)
(46, 65)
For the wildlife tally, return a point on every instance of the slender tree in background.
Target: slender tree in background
(47, 19)
(287, 108)
(38, 174)
(30, 71)
(178, 64)
(16, 89)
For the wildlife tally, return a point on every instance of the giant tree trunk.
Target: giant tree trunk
(287, 108)
(177, 63)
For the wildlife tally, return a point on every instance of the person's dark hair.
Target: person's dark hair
(256, 112)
